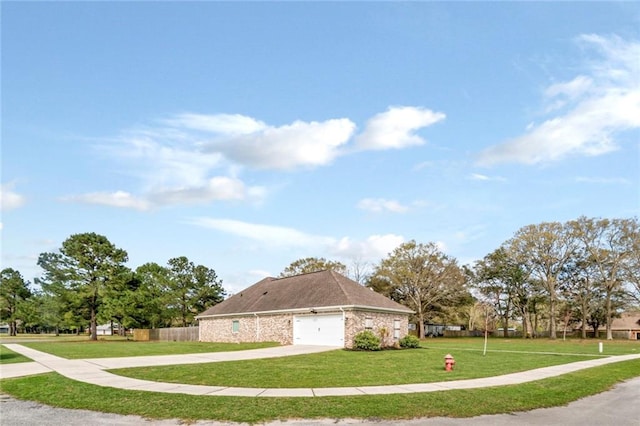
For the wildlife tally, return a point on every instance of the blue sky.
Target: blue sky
(247, 135)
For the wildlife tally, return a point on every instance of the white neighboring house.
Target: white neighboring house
(104, 330)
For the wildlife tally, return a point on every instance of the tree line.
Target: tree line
(86, 282)
(585, 271)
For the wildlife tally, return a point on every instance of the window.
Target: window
(368, 323)
(235, 326)
(396, 329)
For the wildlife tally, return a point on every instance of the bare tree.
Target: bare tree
(359, 271)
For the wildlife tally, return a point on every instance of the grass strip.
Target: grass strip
(348, 368)
(568, 346)
(53, 389)
(7, 356)
(124, 348)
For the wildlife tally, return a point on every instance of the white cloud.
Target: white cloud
(270, 235)
(250, 142)
(197, 158)
(394, 128)
(476, 176)
(119, 199)
(9, 199)
(172, 169)
(227, 124)
(215, 189)
(220, 188)
(372, 248)
(165, 158)
(299, 144)
(485, 178)
(377, 205)
(570, 89)
(594, 109)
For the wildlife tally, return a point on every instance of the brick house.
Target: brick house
(320, 308)
(625, 327)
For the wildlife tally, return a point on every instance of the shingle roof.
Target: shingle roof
(314, 290)
(627, 321)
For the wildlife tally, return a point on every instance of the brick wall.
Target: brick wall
(261, 328)
(358, 321)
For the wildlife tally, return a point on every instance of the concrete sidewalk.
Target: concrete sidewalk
(92, 371)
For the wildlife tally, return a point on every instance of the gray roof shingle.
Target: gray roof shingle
(314, 290)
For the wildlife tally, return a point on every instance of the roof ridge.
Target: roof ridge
(339, 282)
(299, 275)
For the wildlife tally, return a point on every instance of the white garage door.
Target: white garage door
(326, 330)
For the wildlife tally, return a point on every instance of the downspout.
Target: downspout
(344, 324)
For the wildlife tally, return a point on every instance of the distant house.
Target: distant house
(320, 308)
(104, 330)
(4, 328)
(625, 327)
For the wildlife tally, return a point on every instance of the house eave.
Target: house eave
(310, 310)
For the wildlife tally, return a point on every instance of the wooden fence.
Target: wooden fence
(173, 334)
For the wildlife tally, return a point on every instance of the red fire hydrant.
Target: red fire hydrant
(449, 362)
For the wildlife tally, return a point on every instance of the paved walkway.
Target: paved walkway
(93, 371)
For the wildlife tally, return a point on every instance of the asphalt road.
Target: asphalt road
(617, 407)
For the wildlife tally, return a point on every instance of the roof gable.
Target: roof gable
(314, 290)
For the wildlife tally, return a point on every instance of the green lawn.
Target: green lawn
(55, 390)
(52, 337)
(569, 346)
(349, 368)
(9, 357)
(122, 348)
